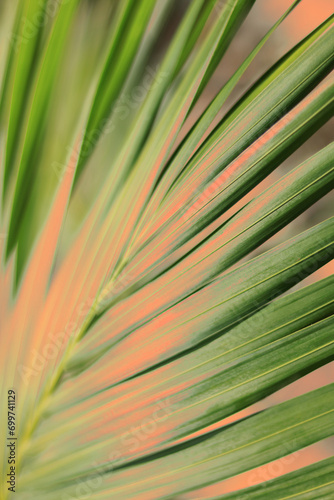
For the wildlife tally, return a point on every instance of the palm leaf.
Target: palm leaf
(314, 481)
(138, 341)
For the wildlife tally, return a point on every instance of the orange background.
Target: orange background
(306, 17)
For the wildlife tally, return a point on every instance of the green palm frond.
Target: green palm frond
(142, 315)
